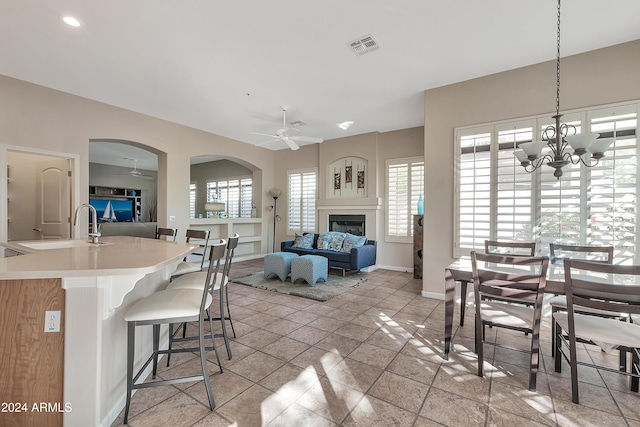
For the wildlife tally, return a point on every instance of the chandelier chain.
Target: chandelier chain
(558, 64)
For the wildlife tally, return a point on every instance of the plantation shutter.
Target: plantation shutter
(474, 191)
(301, 209)
(513, 186)
(612, 198)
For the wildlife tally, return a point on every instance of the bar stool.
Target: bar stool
(174, 306)
(195, 281)
(169, 233)
(190, 267)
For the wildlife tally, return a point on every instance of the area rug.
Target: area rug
(322, 291)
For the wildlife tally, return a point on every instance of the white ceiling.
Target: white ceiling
(227, 67)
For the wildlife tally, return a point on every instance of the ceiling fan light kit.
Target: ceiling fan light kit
(282, 135)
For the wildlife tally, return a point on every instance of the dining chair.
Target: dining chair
(168, 307)
(605, 287)
(558, 253)
(513, 280)
(221, 287)
(193, 236)
(496, 247)
(169, 233)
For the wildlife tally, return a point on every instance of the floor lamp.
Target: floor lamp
(275, 193)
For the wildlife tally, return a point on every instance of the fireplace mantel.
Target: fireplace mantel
(374, 203)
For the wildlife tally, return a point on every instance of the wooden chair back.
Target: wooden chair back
(599, 253)
(510, 248)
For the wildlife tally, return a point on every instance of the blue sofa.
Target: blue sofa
(348, 262)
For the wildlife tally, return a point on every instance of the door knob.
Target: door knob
(38, 229)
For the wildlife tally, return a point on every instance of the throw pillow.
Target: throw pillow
(323, 241)
(304, 241)
(334, 241)
(351, 241)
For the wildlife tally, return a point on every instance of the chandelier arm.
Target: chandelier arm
(590, 165)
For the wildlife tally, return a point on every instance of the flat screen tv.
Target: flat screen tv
(113, 210)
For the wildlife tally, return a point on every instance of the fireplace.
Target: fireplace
(352, 224)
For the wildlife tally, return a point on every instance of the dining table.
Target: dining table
(460, 271)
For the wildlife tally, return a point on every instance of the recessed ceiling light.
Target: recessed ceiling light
(345, 125)
(70, 20)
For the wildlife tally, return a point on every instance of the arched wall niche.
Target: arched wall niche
(111, 161)
(208, 167)
(347, 178)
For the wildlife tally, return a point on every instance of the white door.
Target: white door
(53, 199)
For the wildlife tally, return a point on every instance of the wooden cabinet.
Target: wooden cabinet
(417, 245)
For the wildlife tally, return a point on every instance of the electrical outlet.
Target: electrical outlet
(172, 218)
(52, 321)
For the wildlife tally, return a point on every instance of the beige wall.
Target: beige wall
(35, 117)
(599, 77)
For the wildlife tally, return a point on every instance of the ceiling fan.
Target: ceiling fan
(135, 172)
(282, 135)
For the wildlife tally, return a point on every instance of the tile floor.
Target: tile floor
(372, 357)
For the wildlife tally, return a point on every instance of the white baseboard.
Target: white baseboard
(433, 295)
(396, 268)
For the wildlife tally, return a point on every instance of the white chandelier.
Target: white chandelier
(561, 144)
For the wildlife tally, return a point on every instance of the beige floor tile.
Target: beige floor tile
(500, 418)
(258, 338)
(225, 387)
(296, 415)
(321, 360)
(308, 334)
(179, 410)
(390, 338)
(256, 366)
(629, 403)
(355, 331)
(451, 409)
(412, 367)
(256, 406)
(342, 345)
(590, 395)
(458, 379)
(372, 355)
(570, 414)
(400, 391)
(522, 402)
(328, 324)
(354, 374)
(371, 411)
(291, 381)
(285, 348)
(331, 400)
(281, 326)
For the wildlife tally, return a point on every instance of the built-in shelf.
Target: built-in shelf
(251, 243)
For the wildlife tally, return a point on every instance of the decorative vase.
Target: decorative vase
(420, 205)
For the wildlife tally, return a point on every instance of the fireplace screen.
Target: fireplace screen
(352, 224)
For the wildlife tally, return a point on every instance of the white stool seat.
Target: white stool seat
(186, 267)
(167, 304)
(196, 281)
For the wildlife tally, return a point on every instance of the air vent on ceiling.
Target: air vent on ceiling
(363, 45)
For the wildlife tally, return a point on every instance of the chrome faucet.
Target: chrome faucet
(95, 232)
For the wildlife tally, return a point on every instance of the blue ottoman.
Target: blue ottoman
(311, 268)
(278, 263)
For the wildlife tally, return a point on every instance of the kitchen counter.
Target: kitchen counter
(96, 285)
(114, 256)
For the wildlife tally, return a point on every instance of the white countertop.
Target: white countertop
(118, 256)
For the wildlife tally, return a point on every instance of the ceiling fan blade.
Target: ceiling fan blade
(263, 134)
(307, 139)
(291, 143)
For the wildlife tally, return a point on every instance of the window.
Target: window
(192, 200)
(301, 209)
(497, 199)
(405, 185)
(235, 193)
